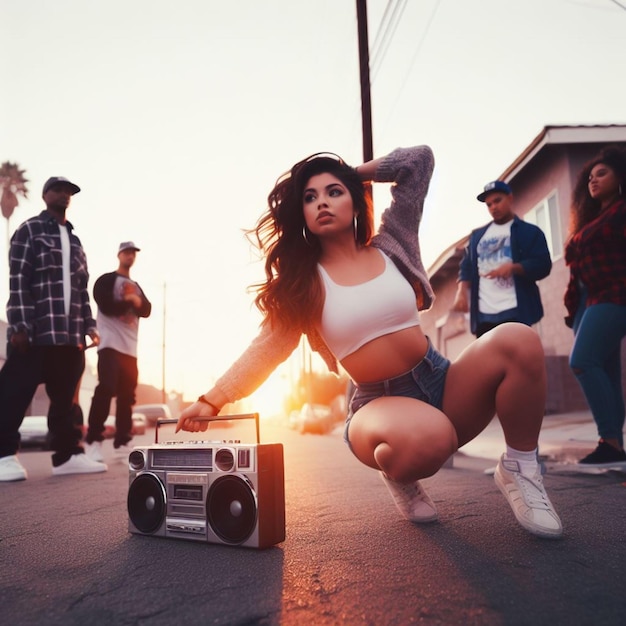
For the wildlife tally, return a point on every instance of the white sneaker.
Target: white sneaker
(79, 464)
(121, 453)
(11, 469)
(412, 501)
(528, 499)
(94, 451)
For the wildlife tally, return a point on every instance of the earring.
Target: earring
(306, 239)
(355, 223)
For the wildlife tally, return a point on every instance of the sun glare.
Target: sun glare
(269, 399)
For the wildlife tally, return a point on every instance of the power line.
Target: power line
(415, 55)
(619, 4)
(378, 55)
(380, 28)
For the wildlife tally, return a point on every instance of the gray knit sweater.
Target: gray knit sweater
(410, 170)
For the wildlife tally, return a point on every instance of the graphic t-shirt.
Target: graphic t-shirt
(494, 249)
(120, 332)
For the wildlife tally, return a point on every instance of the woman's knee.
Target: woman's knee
(412, 459)
(405, 438)
(520, 345)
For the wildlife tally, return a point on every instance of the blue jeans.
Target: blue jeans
(424, 382)
(595, 361)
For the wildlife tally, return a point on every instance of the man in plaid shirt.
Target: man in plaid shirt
(49, 316)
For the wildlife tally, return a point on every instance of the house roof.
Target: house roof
(558, 135)
(449, 259)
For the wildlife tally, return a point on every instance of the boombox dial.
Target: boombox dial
(136, 460)
(225, 459)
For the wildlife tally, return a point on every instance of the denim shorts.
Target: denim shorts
(424, 382)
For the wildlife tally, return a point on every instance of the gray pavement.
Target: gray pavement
(348, 559)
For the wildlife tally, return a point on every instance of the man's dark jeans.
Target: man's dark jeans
(117, 377)
(60, 368)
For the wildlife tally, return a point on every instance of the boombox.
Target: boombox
(223, 492)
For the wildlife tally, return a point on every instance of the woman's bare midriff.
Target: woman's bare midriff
(387, 356)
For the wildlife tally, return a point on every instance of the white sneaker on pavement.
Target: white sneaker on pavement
(11, 469)
(121, 453)
(528, 499)
(412, 501)
(79, 464)
(94, 451)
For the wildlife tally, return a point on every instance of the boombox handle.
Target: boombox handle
(217, 418)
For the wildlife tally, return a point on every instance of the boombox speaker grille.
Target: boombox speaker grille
(146, 503)
(231, 509)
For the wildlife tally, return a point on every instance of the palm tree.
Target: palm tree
(13, 183)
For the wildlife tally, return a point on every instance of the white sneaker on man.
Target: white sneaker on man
(79, 464)
(528, 499)
(11, 469)
(412, 501)
(94, 451)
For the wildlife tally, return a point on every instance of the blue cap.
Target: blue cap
(496, 185)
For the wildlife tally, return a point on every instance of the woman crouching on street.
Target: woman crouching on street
(357, 297)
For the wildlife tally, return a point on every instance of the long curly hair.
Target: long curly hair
(291, 294)
(584, 208)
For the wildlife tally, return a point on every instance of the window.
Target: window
(546, 216)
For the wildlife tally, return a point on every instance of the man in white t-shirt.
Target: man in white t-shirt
(121, 302)
(503, 261)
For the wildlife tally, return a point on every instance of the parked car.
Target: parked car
(293, 420)
(34, 431)
(315, 418)
(139, 426)
(140, 423)
(154, 412)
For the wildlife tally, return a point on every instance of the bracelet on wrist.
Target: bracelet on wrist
(203, 399)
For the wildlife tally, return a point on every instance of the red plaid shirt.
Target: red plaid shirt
(596, 256)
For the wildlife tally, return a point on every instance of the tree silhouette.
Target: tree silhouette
(13, 184)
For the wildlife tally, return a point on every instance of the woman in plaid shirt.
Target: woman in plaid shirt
(596, 298)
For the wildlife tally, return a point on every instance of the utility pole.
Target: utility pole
(163, 398)
(364, 64)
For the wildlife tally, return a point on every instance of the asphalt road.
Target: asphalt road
(67, 558)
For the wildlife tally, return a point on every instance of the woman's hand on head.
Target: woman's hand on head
(187, 420)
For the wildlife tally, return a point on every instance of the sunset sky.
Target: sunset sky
(177, 118)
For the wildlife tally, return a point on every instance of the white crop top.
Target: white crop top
(355, 314)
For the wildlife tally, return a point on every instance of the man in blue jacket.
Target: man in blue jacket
(502, 263)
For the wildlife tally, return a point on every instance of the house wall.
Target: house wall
(553, 169)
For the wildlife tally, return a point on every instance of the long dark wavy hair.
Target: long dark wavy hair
(291, 294)
(584, 208)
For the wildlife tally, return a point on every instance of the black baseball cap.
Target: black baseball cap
(60, 180)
